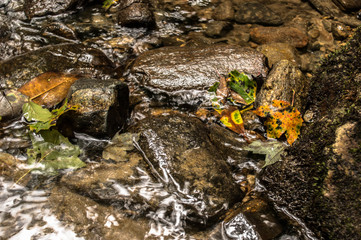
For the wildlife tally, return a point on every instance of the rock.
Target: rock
(340, 31)
(184, 74)
(323, 39)
(102, 107)
(184, 159)
(40, 8)
(326, 7)
(239, 35)
(348, 4)
(119, 147)
(290, 35)
(93, 220)
(135, 13)
(224, 11)
(318, 181)
(283, 79)
(74, 58)
(256, 13)
(217, 29)
(276, 52)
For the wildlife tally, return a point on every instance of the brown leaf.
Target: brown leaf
(49, 88)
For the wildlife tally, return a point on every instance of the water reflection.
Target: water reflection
(25, 215)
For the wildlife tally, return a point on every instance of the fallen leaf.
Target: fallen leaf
(232, 119)
(48, 88)
(52, 151)
(243, 86)
(281, 118)
(272, 150)
(11, 103)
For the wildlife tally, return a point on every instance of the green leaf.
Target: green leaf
(214, 87)
(272, 150)
(34, 112)
(242, 85)
(52, 151)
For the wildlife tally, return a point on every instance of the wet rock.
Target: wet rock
(348, 4)
(119, 147)
(276, 52)
(239, 35)
(74, 58)
(183, 158)
(93, 220)
(102, 107)
(290, 35)
(280, 83)
(135, 13)
(44, 7)
(321, 38)
(217, 29)
(12, 170)
(256, 13)
(183, 75)
(326, 7)
(318, 181)
(224, 11)
(340, 31)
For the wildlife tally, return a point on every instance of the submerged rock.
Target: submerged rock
(71, 58)
(184, 74)
(290, 35)
(254, 12)
(183, 158)
(37, 8)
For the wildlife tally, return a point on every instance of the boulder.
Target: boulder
(348, 5)
(182, 157)
(276, 52)
(284, 78)
(183, 75)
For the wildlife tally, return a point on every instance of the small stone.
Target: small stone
(217, 29)
(224, 11)
(290, 35)
(340, 31)
(135, 15)
(348, 5)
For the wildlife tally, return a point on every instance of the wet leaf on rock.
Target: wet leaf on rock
(52, 151)
(272, 150)
(41, 118)
(48, 88)
(281, 118)
(11, 103)
(243, 86)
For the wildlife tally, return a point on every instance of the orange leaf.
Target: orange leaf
(49, 88)
(281, 118)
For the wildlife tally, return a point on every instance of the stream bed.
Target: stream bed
(157, 162)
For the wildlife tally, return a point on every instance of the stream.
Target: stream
(158, 163)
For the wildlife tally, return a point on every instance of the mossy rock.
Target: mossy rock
(319, 181)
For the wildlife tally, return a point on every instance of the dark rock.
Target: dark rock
(319, 180)
(256, 13)
(224, 11)
(184, 159)
(103, 107)
(290, 35)
(217, 29)
(184, 74)
(283, 79)
(43, 7)
(135, 13)
(74, 58)
(326, 7)
(348, 4)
